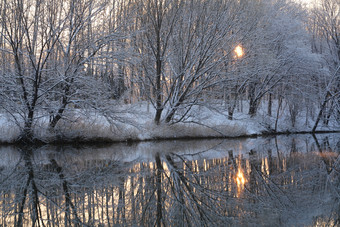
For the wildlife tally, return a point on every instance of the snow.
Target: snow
(188, 149)
(135, 122)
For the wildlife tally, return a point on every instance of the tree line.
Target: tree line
(175, 54)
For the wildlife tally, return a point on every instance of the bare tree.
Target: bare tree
(31, 32)
(181, 51)
(325, 26)
(158, 18)
(50, 46)
(199, 48)
(277, 52)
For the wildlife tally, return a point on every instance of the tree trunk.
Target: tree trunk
(278, 112)
(233, 102)
(230, 113)
(253, 102)
(158, 89)
(323, 106)
(158, 115)
(59, 114)
(27, 133)
(56, 118)
(119, 83)
(270, 105)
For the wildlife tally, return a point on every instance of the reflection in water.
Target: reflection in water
(268, 182)
(240, 179)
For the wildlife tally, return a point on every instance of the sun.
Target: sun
(239, 51)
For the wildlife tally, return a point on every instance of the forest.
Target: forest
(62, 59)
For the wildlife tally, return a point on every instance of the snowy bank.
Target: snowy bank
(135, 123)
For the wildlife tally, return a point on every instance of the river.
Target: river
(267, 181)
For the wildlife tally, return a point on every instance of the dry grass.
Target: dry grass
(192, 130)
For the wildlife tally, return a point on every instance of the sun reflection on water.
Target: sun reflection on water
(240, 179)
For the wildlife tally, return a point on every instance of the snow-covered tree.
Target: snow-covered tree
(183, 46)
(278, 52)
(325, 28)
(48, 46)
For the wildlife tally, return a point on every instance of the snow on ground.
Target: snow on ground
(8, 130)
(135, 122)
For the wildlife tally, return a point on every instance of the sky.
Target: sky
(305, 1)
(308, 3)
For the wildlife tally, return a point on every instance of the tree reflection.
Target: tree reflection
(265, 186)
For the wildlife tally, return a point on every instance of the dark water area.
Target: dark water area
(279, 181)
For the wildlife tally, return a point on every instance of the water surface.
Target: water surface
(278, 181)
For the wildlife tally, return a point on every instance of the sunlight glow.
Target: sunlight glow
(239, 51)
(240, 180)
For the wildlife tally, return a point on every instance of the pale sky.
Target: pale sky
(305, 1)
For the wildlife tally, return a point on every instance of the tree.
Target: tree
(180, 47)
(277, 52)
(158, 18)
(325, 27)
(30, 38)
(50, 48)
(195, 58)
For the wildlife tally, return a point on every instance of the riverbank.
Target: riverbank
(135, 123)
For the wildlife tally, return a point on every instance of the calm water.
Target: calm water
(280, 181)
